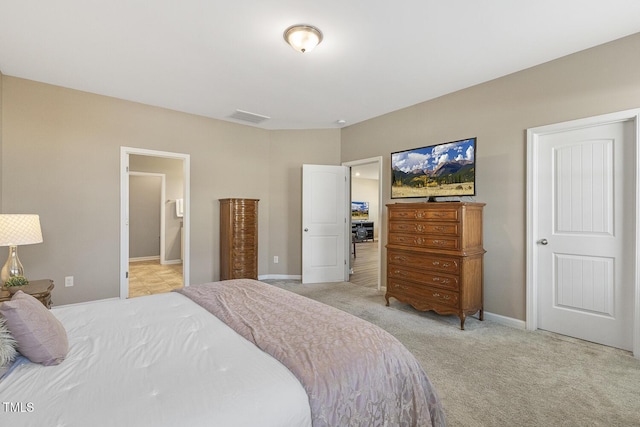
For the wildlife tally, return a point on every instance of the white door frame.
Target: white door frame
(377, 160)
(533, 136)
(163, 188)
(125, 152)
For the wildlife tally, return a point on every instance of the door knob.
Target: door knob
(543, 242)
(306, 229)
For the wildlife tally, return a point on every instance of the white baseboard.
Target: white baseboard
(144, 258)
(280, 277)
(504, 320)
(155, 258)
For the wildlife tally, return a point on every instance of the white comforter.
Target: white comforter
(160, 360)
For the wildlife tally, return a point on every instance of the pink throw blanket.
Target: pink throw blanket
(355, 373)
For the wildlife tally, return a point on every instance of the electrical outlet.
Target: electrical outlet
(275, 259)
(68, 281)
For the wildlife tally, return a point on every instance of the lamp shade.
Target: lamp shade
(19, 229)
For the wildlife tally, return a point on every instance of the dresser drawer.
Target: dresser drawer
(401, 289)
(244, 254)
(429, 278)
(243, 227)
(243, 273)
(430, 262)
(438, 296)
(435, 296)
(442, 214)
(243, 240)
(450, 229)
(430, 241)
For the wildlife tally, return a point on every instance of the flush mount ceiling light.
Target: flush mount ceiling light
(303, 38)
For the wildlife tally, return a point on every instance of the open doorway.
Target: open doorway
(155, 227)
(154, 258)
(366, 200)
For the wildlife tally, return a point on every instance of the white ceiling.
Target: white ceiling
(211, 57)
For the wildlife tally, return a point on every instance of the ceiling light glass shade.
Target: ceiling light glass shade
(303, 38)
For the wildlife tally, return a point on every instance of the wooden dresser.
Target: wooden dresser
(435, 255)
(238, 239)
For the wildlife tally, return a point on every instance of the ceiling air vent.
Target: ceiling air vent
(246, 116)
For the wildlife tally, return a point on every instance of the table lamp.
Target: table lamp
(17, 229)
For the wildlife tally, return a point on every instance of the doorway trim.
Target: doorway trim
(533, 137)
(372, 160)
(125, 152)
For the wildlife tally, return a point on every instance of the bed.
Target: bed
(231, 353)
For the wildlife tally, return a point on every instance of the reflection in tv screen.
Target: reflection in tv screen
(359, 211)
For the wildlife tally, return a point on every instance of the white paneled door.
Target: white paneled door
(325, 210)
(586, 231)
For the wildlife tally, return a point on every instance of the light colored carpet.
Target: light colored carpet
(495, 375)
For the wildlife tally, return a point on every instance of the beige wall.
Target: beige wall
(62, 160)
(144, 216)
(597, 81)
(289, 151)
(174, 189)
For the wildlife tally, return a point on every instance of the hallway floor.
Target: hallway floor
(365, 264)
(151, 277)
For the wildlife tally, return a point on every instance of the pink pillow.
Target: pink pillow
(40, 337)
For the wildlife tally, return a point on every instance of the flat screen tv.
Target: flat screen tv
(359, 211)
(441, 170)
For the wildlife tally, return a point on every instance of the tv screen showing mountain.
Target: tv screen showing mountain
(359, 211)
(441, 170)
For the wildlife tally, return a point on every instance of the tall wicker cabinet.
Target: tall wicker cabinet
(435, 257)
(238, 239)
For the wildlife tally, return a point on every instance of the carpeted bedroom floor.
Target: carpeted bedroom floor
(495, 375)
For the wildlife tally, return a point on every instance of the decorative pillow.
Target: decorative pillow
(39, 335)
(8, 350)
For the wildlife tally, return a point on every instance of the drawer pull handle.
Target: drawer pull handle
(400, 286)
(439, 242)
(437, 264)
(399, 258)
(439, 228)
(440, 279)
(400, 273)
(419, 215)
(437, 295)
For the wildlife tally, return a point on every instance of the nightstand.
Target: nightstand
(39, 289)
